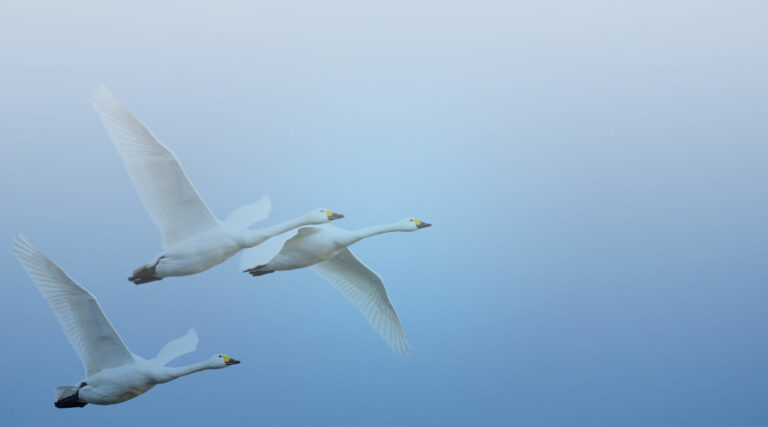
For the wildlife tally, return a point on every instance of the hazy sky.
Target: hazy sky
(595, 172)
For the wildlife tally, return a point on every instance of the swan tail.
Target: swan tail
(145, 274)
(68, 396)
(259, 270)
(65, 391)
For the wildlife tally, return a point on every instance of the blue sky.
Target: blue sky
(595, 174)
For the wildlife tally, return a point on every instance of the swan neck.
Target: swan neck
(255, 237)
(372, 231)
(173, 373)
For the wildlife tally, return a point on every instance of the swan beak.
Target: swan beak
(334, 215)
(424, 225)
(231, 362)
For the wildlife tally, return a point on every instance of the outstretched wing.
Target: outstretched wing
(177, 347)
(170, 199)
(85, 325)
(365, 289)
(244, 217)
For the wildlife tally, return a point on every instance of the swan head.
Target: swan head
(321, 216)
(413, 224)
(219, 361)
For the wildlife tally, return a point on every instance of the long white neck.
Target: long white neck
(168, 373)
(357, 235)
(255, 237)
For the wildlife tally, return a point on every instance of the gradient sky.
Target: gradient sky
(595, 172)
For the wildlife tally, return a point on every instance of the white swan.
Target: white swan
(193, 239)
(112, 373)
(325, 250)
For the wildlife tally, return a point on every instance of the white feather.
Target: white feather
(177, 348)
(245, 216)
(84, 323)
(365, 289)
(168, 196)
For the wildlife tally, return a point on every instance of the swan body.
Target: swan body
(113, 374)
(194, 239)
(198, 253)
(326, 250)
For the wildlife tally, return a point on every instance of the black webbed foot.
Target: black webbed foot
(70, 402)
(255, 271)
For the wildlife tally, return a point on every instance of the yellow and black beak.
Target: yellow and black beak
(228, 360)
(333, 215)
(420, 224)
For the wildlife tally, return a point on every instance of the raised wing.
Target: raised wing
(80, 315)
(365, 289)
(170, 199)
(248, 215)
(177, 347)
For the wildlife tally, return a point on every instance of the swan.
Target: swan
(112, 373)
(326, 251)
(194, 240)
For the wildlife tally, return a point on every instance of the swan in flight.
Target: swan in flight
(325, 250)
(112, 373)
(194, 240)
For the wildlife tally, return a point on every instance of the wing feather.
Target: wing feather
(365, 289)
(172, 202)
(178, 347)
(84, 323)
(245, 216)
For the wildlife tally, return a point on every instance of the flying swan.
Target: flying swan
(112, 373)
(194, 240)
(325, 250)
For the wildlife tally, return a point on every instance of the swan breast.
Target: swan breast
(116, 385)
(199, 253)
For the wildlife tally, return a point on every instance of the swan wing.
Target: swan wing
(244, 217)
(177, 347)
(365, 289)
(84, 323)
(170, 199)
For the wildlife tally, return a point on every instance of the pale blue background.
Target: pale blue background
(595, 172)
